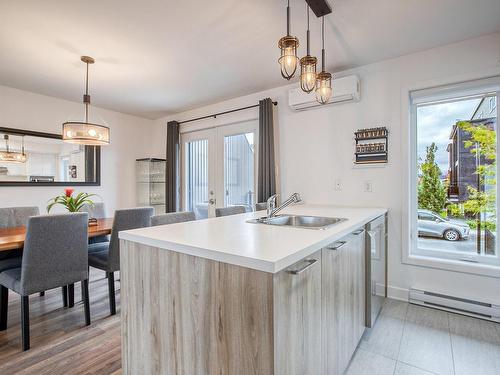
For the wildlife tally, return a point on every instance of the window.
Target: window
(453, 203)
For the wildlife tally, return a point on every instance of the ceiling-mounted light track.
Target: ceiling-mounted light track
(85, 132)
(324, 79)
(319, 7)
(288, 46)
(308, 65)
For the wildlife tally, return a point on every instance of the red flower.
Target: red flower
(69, 191)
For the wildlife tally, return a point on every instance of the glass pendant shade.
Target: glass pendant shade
(85, 133)
(288, 59)
(308, 73)
(8, 156)
(324, 87)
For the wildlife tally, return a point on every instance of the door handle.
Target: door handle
(358, 232)
(336, 245)
(309, 263)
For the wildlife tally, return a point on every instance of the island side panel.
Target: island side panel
(188, 315)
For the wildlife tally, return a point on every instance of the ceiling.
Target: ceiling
(157, 57)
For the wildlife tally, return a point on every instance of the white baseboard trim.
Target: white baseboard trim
(400, 294)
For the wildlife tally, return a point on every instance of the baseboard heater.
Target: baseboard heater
(457, 305)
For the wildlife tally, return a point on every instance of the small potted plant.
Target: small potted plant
(72, 203)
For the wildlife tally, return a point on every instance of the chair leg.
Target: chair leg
(86, 300)
(64, 291)
(111, 287)
(71, 295)
(4, 306)
(42, 294)
(25, 319)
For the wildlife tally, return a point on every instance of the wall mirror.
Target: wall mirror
(29, 158)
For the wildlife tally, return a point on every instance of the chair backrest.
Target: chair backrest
(55, 252)
(172, 218)
(16, 216)
(96, 211)
(233, 210)
(130, 218)
(261, 206)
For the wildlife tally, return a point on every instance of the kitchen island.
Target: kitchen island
(224, 296)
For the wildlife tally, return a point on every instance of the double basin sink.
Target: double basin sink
(299, 221)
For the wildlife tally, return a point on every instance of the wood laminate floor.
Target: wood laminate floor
(60, 341)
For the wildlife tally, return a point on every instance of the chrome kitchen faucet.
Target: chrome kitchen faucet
(272, 210)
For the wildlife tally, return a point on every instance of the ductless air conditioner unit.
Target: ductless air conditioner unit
(345, 89)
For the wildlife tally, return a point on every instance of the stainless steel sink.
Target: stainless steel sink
(309, 222)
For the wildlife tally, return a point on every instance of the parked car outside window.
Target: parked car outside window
(430, 224)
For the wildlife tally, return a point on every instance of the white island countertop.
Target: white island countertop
(268, 248)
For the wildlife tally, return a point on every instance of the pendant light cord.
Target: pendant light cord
(323, 43)
(86, 97)
(308, 33)
(288, 18)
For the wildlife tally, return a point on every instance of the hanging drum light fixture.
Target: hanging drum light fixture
(85, 132)
(308, 65)
(288, 46)
(9, 156)
(324, 79)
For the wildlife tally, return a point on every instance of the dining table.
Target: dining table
(13, 238)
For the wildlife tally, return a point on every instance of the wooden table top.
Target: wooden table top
(13, 238)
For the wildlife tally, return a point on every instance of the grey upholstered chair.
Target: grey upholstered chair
(11, 217)
(96, 211)
(16, 216)
(261, 206)
(106, 255)
(55, 254)
(232, 210)
(172, 218)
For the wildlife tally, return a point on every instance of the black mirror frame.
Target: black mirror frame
(97, 181)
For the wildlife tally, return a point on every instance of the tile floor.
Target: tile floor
(413, 340)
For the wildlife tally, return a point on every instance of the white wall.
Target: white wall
(316, 146)
(130, 139)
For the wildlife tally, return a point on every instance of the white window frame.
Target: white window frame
(446, 261)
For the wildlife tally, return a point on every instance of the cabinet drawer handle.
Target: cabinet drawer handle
(309, 263)
(336, 245)
(358, 232)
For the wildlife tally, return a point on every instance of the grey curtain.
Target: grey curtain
(267, 161)
(172, 174)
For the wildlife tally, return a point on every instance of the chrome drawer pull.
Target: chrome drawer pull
(336, 245)
(358, 232)
(309, 263)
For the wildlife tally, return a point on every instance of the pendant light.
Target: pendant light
(85, 132)
(308, 65)
(324, 79)
(9, 156)
(288, 46)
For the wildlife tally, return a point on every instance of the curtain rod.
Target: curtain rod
(221, 113)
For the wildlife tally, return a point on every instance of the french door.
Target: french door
(219, 168)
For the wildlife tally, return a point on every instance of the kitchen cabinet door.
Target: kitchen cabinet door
(334, 309)
(297, 318)
(343, 306)
(357, 267)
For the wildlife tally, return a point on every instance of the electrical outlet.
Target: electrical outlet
(338, 184)
(368, 187)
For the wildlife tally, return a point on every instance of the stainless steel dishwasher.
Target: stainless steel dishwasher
(376, 268)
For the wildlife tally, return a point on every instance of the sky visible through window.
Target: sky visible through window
(434, 124)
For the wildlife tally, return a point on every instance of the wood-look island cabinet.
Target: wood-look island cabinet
(225, 297)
